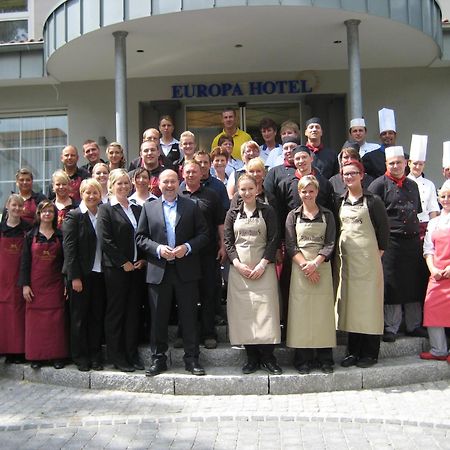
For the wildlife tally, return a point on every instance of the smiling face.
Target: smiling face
(308, 194)
(388, 138)
(287, 151)
(258, 173)
(150, 154)
(268, 134)
(61, 188)
(219, 163)
(115, 155)
(352, 176)
(122, 187)
(205, 164)
(303, 162)
(187, 144)
(101, 174)
(91, 152)
(15, 209)
(91, 196)
(168, 184)
(247, 191)
(142, 181)
(444, 200)
(47, 214)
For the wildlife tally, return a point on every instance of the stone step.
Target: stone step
(402, 370)
(225, 355)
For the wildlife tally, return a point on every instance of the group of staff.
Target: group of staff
(95, 248)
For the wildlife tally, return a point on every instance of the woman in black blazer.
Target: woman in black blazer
(124, 275)
(86, 284)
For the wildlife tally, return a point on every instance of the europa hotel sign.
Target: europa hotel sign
(249, 88)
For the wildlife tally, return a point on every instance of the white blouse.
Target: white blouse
(441, 222)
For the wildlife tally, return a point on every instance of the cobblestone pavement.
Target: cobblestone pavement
(36, 416)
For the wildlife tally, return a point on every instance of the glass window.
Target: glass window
(11, 6)
(34, 142)
(13, 30)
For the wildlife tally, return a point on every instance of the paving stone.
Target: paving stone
(12, 371)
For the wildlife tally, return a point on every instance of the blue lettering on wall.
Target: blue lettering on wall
(252, 88)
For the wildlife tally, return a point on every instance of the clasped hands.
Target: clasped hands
(170, 253)
(247, 272)
(440, 274)
(309, 269)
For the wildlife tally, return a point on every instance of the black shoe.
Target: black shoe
(9, 359)
(96, 365)
(36, 364)
(58, 364)
(250, 367)
(123, 367)
(303, 369)
(365, 362)
(157, 367)
(83, 367)
(271, 367)
(195, 368)
(349, 360)
(389, 337)
(137, 363)
(19, 359)
(327, 368)
(418, 332)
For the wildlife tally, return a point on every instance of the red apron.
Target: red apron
(437, 301)
(29, 210)
(45, 331)
(12, 304)
(74, 188)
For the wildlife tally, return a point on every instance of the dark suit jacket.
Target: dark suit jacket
(190, 227)
(116, 234)
(79, 243)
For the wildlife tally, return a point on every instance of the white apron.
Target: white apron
(311, 317)
(252, 305)
(361, 288)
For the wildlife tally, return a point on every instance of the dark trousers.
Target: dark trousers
(260, 353)
(311, 356)
(122, 313)
(208, 292)
(87, 313)
(363, 345)
(160, 298)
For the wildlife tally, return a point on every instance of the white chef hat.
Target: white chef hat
(445, 187)
(386, 119)
(396, 150)
(358, 122)
(446, 154)
(418, 149)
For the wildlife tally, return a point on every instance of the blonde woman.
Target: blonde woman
(86, 284)
(63, 202)
(115, 155)
(117, 223)
(100, 172)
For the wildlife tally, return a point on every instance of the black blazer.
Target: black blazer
(190, 227)
(116, 234)
(79, 244)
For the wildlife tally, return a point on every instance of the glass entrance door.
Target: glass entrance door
(205, 121)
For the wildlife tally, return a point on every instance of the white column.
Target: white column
(354, 68)
(121, 89)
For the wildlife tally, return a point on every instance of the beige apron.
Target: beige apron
(361, 288)
(252, 305)
(311, 317)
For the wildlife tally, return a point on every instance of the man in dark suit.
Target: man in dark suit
(171, 232)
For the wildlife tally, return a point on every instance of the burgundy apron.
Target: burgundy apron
(12, 304)
(45, 331)
(436, 312)
(29, 210)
